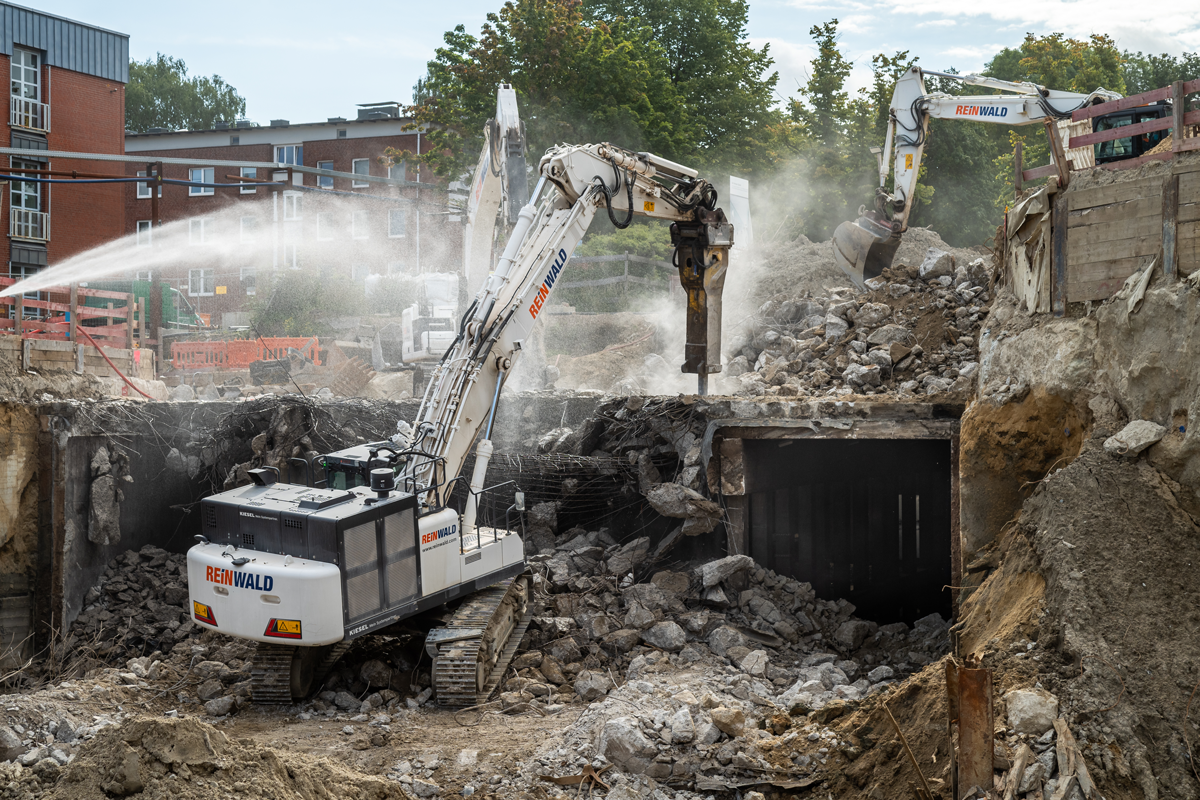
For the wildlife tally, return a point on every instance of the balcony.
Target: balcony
(29, 114)
(26, 224)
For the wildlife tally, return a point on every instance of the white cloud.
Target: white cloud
(791, 61)
(937, 23)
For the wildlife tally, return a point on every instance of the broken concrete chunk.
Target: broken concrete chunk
(592, 685)
(730, 721)
(1134, 438)
(888, 334)
(871, 315)
(937, 263)
(723, 638)
(1031, 710)
(667, 636)
(754, 663)
(674, 500)
(622, 742)
(715, 572)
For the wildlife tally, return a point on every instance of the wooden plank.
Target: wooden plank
(1040, 172)
(1131, 247)
(1124, 132)
(1117, 266)
(1137, 162)
(1114, 193)
(1096, 289)
(1189, 186)
(1133, 228)
(1132, 101)
(1149, 206)
(1058, 156)
(1177, 109)
(1018, 166)
(1187, 144)
(1164, 123)
(1058, 286)
(1170, 216)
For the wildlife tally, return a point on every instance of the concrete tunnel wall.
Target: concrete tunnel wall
(159, 505)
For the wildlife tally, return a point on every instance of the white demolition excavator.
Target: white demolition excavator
(304, 570)
(499, 190)
(865, 247)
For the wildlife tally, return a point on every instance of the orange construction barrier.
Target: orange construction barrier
(238, 353)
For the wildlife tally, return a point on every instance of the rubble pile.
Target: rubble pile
(594, 622)
(915, 332)
(185, 758)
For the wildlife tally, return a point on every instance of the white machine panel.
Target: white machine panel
(440, 546)
(273, 598)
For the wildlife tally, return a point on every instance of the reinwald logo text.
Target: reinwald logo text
(981, 111)
(559, 262)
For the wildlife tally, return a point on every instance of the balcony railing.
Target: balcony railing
(29, 114)
(26, 224)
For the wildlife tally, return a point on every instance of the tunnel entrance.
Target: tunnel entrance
(869, 520)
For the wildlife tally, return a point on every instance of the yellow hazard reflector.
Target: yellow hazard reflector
(283, 628)
(648, 206)
(203, 613)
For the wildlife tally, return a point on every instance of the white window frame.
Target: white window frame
(137, 276)
(359, 271)
(248, 172)
(404, 218)
(24, 189)
(17, 59)
(398, 171)
(292, 207)
(206, 175)
(324, 181)
(354, 168)
(202, 273)
(197, 224)
(324, 227)
(358, 225)
(145, 232)
(291, 258)
(247, 233)
(252, 289)
(143, 188)
(290, 154)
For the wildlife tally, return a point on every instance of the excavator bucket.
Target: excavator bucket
(863, 249)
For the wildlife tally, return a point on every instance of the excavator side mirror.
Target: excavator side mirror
(519, 501)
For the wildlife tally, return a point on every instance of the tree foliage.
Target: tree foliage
(1145, 72)
(577, 80)
(727, 85)
(160, 94)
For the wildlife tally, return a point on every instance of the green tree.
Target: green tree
(1058, 62)
(161, 95)
(577, 80)
(729, 86)
(1145, 72)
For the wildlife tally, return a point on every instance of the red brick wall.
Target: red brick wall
(87, 114)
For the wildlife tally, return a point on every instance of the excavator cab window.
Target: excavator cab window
(1133, 146)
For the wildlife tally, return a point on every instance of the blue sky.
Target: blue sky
(305, 60)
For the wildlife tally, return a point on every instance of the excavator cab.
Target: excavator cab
(1132, 146)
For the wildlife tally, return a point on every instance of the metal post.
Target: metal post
(702, 382)
(155, 188)
(19, 314)
(74, 320)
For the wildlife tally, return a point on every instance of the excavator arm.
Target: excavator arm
(576, 182)
(865, 247)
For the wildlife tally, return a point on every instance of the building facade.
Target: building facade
(67, 93)
(224, 245)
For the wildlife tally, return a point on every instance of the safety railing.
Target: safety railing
(26, 224)
(239, 353)
(26, 113)
(52, 313)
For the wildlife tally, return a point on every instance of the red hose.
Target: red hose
(100, 350)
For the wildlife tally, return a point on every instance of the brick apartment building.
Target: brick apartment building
(67, 93)
(339, 227)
